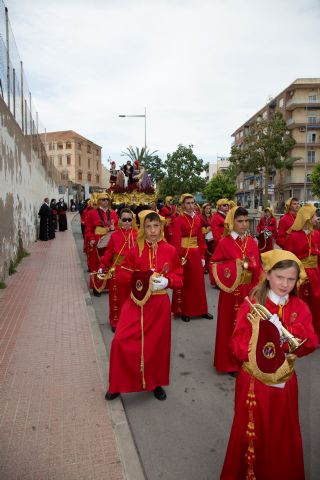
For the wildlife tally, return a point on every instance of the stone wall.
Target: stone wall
(24, 183)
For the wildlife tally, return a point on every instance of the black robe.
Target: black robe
(45, 215)
(62, 213)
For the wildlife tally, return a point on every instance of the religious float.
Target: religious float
(131, 185)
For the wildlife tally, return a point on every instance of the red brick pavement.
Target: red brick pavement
(54, 422)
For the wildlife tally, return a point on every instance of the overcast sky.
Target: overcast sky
(200, 67)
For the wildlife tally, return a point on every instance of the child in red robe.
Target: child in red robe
(265, 440)
(236, 269)
(140, 350)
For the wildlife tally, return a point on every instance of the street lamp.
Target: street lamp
(145, 127)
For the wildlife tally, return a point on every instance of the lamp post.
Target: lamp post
(145, 127)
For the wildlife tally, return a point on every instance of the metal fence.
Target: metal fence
(17, 96)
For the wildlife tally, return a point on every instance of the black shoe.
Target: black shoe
(208, 316)
(96, 293)
(233, 374)
(159, 393)
(185, 319)
(111, 396)
(113, 329)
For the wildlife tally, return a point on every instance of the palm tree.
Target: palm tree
(138, 154)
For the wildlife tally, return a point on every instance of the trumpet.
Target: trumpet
(261, 312)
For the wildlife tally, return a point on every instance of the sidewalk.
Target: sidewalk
(54, 420)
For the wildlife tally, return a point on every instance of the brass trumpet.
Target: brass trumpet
(257, 310)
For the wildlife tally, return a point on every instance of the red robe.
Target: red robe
(94, 254)
(190, 300)
(206, 228)
(125, 355)
(169, 212)
(217, 227)
(117, 249)
(228, 249)
(303, 245)
(266, 224)
(278, 444)
(285, 222)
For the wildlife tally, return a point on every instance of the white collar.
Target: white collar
(276, 299)
(190, 214)
(105, 210)
(306, 230)
(222, 213)
(235, 235)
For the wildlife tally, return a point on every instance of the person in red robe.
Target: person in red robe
(236, 268)
(121, 241)
(99, 223)
(265, 441)
(267, 230)
(169, 212)
(218, 219)
(205, 218)
(190, 300)
(140, 350)
(292, 206)
(304, 242)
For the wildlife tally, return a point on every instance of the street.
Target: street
(185, 437)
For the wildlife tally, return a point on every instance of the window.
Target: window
(312, 119)
(311, 156)
(64, 175)
(312, 98)
(88, 148)
(60, 146)
(89, 177)
(79, 158)
(51, 159)
(79, 146)
(60, 160)
(68, 159)
(265, 115)
(79, 175)
(89, 162)
(97, 151)
(281, 103)
(68, 145)
(308, 177)
(97, 165)
(312, 137)
(97, 179)
(51, 146)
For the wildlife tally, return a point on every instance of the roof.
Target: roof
(65, 135)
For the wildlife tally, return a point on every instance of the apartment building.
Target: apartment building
(221, 166)
(299, 104)
(77, 159)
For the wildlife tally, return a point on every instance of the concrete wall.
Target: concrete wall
(24, 183)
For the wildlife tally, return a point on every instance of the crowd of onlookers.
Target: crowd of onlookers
(53, 217)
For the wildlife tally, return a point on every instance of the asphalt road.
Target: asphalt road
(185, 437)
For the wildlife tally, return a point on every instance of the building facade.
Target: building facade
(77, 159)
(299, 104)
(221, 166)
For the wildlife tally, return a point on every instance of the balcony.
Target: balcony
(298, 103)
(313, 122)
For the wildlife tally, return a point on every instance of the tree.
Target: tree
(265, 148)
(155, 168)
(315, 179)
(183, 172)
(139, 154)
(220, 186)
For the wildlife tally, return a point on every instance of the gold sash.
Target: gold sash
(246, 277)
(189, 242)
(310, 262)
(100, 230)
(159, 292)
(117, 259)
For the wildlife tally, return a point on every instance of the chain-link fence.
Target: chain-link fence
(16, 93)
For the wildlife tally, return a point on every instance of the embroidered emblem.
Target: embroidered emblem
(269, 350)
(139, 285)
(226, 273)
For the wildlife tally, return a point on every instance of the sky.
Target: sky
(200, 68)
